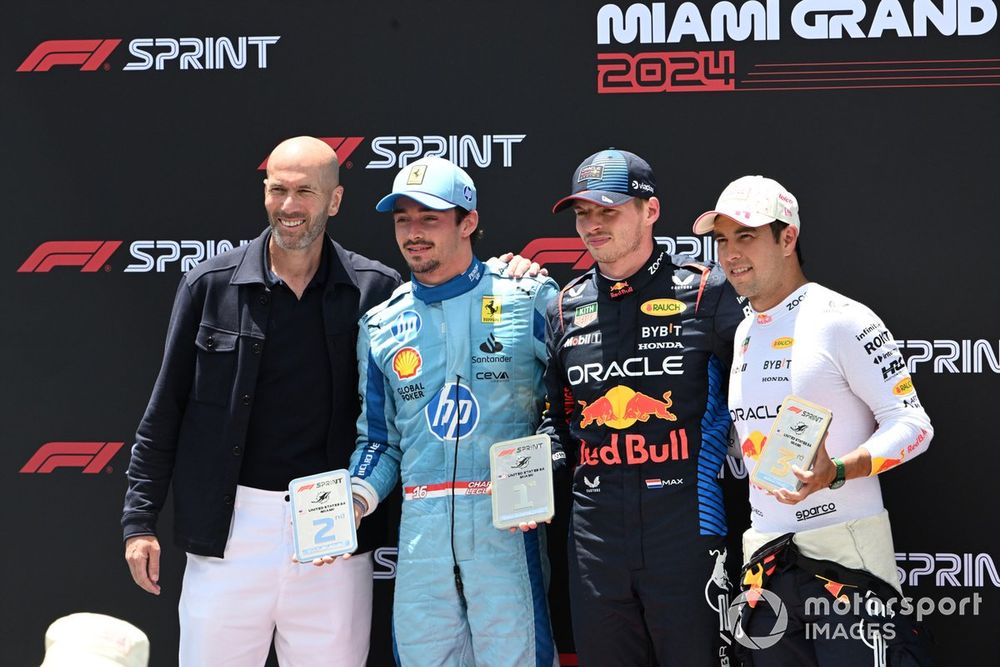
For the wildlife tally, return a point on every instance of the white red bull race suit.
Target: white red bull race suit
(445, 372)
(637, 389)
(833, 351)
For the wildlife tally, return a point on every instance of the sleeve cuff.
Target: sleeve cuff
(366, 492)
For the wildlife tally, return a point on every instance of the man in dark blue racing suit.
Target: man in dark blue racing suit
(639, 354)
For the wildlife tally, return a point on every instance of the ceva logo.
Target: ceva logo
(93, 457)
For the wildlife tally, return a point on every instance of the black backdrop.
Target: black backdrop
(889, 141)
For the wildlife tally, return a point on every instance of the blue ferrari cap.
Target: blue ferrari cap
(434, 182)
(610, 178)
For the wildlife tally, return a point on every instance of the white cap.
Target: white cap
(94, 640)
(752, 201)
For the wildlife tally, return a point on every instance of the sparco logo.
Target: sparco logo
(813, 512)
(483, 151)
(159, 53)
(93, 457)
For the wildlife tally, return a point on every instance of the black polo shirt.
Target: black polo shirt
(290, 418)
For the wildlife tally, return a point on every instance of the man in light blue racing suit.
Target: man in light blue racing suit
(450, 364)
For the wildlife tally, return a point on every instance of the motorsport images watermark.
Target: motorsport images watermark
(736, 607)
(865, 616)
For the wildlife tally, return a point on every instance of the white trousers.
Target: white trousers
(231, 607)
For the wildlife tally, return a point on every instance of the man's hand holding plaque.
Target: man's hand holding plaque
(521, 482)
(324, 521)
(794, 462)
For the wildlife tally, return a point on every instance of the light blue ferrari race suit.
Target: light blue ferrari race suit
(445, 372)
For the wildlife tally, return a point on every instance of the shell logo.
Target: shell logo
(782, 343)
(406, 363)
(663, 307)
(903, 387)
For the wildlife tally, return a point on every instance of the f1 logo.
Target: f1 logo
(91, 255)
(343, 146)
(91, 456)
(88, 53)
(559, 250)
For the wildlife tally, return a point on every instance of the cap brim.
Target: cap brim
(599, 197)
(386, 204)
(76, 657)
(706, 221)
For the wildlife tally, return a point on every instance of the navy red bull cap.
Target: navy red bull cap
(610, 178)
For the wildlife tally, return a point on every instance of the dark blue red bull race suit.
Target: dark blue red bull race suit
(636, 383)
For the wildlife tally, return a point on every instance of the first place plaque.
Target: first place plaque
(322, 515)
(794, 439)
(521, 477)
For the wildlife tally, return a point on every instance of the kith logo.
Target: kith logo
(90, 255)
(88, 53)
(93, 457)
(343, 146)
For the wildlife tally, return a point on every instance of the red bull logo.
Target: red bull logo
(632, 449)
(753, 445)
(620, 288)
(621, 407)
(880, 465)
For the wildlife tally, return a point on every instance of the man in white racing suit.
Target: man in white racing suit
(831, 539)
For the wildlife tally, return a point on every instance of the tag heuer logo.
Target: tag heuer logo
(585, 315)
